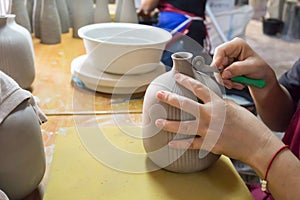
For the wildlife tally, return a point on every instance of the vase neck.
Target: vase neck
(11, 18)
(3, 21)
(182, 63)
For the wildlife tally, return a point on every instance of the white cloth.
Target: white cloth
(11, 95)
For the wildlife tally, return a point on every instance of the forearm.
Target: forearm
(273, 103)
(283, 179)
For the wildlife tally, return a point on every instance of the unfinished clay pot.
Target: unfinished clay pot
(82, 14)
(18, 8)
(22, 154)
(64, 15)
(50, 29)
(36, 15)
(101, 12)
(15, 43)
(29, 7)
(126, 12)
(156, 140)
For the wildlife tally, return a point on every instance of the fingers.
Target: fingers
(236, 58)
(192, 143)
(180, 102)
(226, 53)
(247, 67)
(196, 143)
(182, 127)
(230, 85)
(143, 13)
(199, 89)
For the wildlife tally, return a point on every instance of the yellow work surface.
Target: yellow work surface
(77, 171)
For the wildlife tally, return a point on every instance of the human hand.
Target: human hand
(224, 127)
(148, 9)
(236, 58)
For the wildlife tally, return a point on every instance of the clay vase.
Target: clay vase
(128, 12)
(22, 154)
(101, 12)
(50, 23)
(155, 140)
(15, 43)
(82, 14)
(64, 16)
(36, 14)
(118, 10)
(19, 9)
(69, 6)
(29, 6)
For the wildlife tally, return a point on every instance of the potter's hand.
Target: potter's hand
(273, 102)
(236, 58)
(243, 137)
(147, 9)
(224, 127)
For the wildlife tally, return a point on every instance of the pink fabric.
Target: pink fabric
(258, 194)
(291, 138)
(292, 135)
(164, 6)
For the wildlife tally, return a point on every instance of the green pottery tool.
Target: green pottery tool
(259, 83)
(199, 65)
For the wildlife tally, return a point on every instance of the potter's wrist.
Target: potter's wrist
(261, 158)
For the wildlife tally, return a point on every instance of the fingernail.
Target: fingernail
(226, 74)
(160, 123)
(160, 94)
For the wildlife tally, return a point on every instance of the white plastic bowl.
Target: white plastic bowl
(124, 48)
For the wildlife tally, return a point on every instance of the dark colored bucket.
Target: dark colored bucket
(272, 26)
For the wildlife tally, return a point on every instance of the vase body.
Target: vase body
(16, 42)
(50, 23)
(21, 152)
(127, 12)
(64, 16)
(156, 140)
(36, 15)
(19, 9)
(82, 14)
(101, 12)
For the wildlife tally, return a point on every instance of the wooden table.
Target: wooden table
(57, 93)
(60, 99)
(67, 105)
